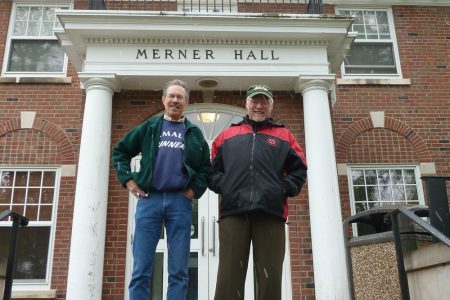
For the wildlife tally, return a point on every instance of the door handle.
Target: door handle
(202, 241)
(213, 229)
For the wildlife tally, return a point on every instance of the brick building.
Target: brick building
(365, 87)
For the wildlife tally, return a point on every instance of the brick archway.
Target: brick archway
(49, 129)
(348, 137)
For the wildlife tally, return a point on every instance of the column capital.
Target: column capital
(317, 82)
(108, 82)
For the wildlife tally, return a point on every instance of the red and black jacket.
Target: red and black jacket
(256, 166)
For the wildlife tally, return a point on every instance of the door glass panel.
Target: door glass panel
(192, 293)
(158, 276)
(194, 226)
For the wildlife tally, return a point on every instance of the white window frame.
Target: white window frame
(10, 38)
(417, 174)
(22, 285)
(393, 40)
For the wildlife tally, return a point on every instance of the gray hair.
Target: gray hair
(179, 82)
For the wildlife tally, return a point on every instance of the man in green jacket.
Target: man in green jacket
(173, 171)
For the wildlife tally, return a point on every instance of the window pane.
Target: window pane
(385, 193)
(382, 18)
(398, 193)
(383, 177)
(360, 193)
(32, 212)
(360, 207)
(49, 179)
(33, 28)
(35, 178)
(45, 213)
(411, 193)
(19, 195)
(33, 195)
(371, 25)
(7, 178)
(47, 195)
(384, 33)
(31, 251)
(5, 195)
(21, 178)
(372, 193)
(410, 176)
(370, 58)
(397, 176)
(19, 209)
(20, 28)
(371, 177)
(35, 13)
(46, 29)
(36, 56)
(48, 14)
(361, 31)
(22, 13)
(358, 177)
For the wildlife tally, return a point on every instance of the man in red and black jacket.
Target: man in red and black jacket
(256, 165)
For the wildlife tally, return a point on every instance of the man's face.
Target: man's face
(258, 108)
(175, 101)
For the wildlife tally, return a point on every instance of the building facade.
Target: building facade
(364, 86)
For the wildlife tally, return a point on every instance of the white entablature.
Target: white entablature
(234, 49)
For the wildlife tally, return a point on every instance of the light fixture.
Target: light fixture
(208, 117)
(208, 83)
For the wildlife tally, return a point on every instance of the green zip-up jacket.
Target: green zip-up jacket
(144, 139)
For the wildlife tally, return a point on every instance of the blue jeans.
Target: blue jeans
(173, 210)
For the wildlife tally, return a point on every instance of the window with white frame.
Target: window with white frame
(33, 194)
(211, 6)
(32, 47)
(374, 51)
(375, 186)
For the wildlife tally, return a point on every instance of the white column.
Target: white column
(85, 275)
(329, 258)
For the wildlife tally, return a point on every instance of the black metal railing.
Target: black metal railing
(438, 202)
(213, 6)
(18, 220)
(393, 218)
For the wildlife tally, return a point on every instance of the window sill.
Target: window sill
(47, 294)
(18, 79)
(384, 81)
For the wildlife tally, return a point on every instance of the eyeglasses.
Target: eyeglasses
(260, 100)
(179, 97)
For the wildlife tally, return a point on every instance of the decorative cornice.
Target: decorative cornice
(169, 41)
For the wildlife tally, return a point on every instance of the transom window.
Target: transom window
(213, 119)
(374, 51)
(384, 185)
(32, 193)
(33, 47)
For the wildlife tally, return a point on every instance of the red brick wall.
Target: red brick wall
(422, 107)
(53, 140)
(419, 132)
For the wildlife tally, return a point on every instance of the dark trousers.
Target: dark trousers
(267, 234)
